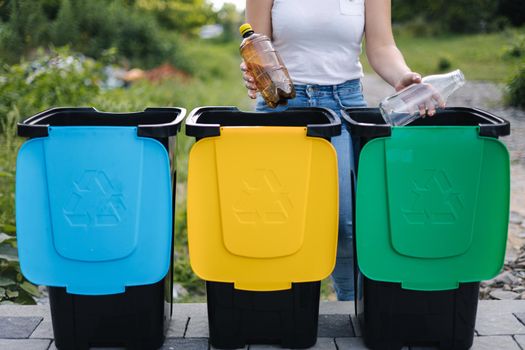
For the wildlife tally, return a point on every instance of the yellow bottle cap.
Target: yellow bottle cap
(245, 28)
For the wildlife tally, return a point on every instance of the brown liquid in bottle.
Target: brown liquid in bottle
(266, 66)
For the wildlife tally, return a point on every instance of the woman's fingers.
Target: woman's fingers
(249, 81)
(422, 110)
(248, 78)
(431, 109)
(436, 100)
(440, 101)
(246, 75)
(243, 66)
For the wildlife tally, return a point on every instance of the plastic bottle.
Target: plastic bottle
(266, 66)
(403, 107)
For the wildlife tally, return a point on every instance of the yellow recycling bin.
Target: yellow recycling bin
(262, 218)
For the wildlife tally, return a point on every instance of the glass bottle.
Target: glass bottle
(403, 107)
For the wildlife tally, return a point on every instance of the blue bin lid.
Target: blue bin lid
(93, 209)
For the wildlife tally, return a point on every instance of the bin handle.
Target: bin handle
(162, 130)
(200, 130)
(193, 128)
(366, 129)
(30, 127)
(494, 127)
(497, 126)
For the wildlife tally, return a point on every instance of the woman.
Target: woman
(320, 43)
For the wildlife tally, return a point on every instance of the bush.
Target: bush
(442, 16)
(516, 48)
(516, 89)
(94, 26)
(90, 27)
(444, 64)
(26, 28)
(55, 78)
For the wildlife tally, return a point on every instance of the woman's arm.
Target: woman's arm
(259, 15)
(381, 50)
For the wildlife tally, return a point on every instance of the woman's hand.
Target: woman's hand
(429, 105)
(408, 79)
(249, 81)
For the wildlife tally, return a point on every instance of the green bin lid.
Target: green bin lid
(432, 207)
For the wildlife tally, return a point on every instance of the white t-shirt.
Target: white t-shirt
(319, 40)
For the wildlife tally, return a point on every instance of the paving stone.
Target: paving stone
(337, 307)
(495, 342)
(520, 339)
(24, 344)
(498, 324)
(353, 344)
(189, 309)
(520, 316)
(197, 327)
(185, 343)
(18, 327)
(44, 329)
(181, 324)
(350, 343)
(322, 344)
(500, 306)
(25, 310)
(504, 295)
(334, 326)
(177, 326)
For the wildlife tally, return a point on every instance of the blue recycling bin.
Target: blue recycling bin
(94, 211)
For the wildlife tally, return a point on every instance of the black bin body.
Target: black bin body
(288, 318)
(390, 316)
(136, 319)
(139, 317)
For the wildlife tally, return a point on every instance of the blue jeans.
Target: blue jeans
(335, 97)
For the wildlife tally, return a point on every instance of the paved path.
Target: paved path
(500, 325)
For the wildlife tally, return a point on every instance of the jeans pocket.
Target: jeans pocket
(351, 100)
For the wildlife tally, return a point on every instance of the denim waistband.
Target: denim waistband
(354, 84)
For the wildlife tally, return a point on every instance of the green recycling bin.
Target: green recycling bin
(431, 220)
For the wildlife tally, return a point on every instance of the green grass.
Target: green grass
(480, 57)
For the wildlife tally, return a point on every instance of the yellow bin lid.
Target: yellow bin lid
(262, 207)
